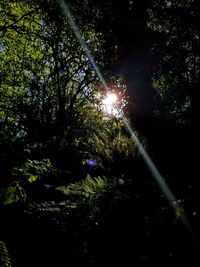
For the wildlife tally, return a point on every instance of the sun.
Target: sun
(109, 104)
(110, 100)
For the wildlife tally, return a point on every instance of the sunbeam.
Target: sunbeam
(81, 40)
(151, 166)
(159, 179)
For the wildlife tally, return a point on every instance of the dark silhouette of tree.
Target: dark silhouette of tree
(176, 54)
(73, 187)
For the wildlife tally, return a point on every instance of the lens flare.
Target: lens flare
(151, 166)
(91, 162)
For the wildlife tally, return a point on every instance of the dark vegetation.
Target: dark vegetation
(73, 187)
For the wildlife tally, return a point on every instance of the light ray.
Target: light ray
(151, 166)
(81, 40)
(160, 181)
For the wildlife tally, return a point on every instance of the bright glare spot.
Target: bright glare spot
(109, 104)
(110, 99)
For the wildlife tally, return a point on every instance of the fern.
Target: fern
(87, 192)
(5, 260)
(86, 187)
(83, 204)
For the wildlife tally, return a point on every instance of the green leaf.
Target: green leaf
(9, 195)
(32, 178)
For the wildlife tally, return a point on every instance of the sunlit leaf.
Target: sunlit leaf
(32, 178)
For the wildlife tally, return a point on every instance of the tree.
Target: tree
(51, 95)
(176, 58)
(128, 40)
